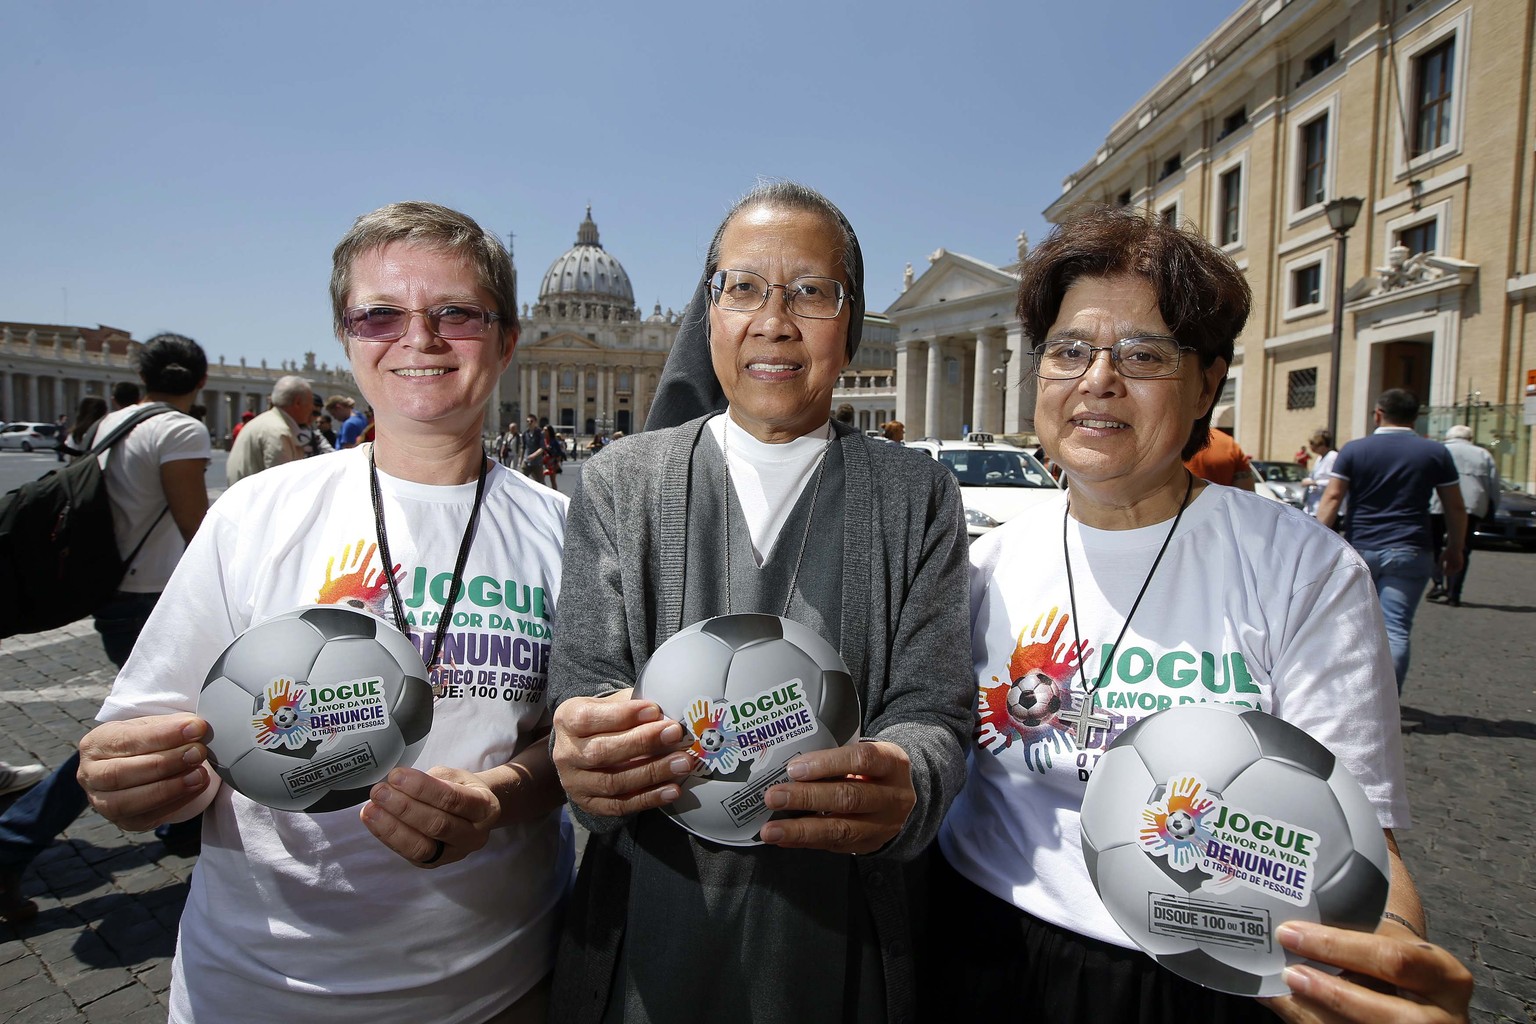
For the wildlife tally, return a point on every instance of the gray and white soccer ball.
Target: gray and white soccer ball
(737, 657)
(315, 646)
(1253, 761)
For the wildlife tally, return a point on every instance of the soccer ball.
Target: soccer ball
(1181, 824)
(753, 690)
(1206, 826)
(1033, 700)
(312, 707)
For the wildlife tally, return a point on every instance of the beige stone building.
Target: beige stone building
(45, 369)
(960, 349)
(1424, 111)
(587, 360)
(869, 382)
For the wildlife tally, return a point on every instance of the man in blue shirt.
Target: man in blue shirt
(1389, 477)
(351, 427)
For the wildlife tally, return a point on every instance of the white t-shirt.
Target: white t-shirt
(1321, 473)
(1254, 604)
(768, 478)
(296, 917)
(132, 468)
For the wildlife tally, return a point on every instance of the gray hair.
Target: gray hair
(1460, 432)
(290, 389)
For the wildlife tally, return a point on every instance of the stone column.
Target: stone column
(34, 412)
(985, 394)
(909, 386)
(1021, 381)
(639, 399)
(604, 401)
(933, 410)
(59, 404)
(554, 394)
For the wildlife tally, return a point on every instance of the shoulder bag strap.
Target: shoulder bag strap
(125, 428)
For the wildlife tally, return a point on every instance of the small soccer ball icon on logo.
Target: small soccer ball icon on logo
(1181, 824)
(753, 690)
(312, 707)
(1207, 826)
(1033, 700)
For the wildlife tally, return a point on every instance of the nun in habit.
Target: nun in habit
(743, 496)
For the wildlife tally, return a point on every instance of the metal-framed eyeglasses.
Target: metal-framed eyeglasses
(451, 321)
(1132, 358)
(741, 291)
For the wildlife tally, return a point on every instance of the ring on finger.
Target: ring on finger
(437, 854)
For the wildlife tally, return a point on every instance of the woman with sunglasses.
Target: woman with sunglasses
(437, 899)
(1143, 564)
(765, 507)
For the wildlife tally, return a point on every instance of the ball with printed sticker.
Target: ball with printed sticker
(752, 691)
(1033, 700)
(1206, 826)
(310, 708)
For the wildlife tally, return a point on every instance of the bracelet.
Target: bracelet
(1387, 915)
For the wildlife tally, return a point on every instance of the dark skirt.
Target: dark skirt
(989, 960)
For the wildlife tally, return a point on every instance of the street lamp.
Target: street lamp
(1342, 214)
(1001, 374)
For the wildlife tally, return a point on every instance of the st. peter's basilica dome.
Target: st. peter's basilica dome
(588, 280)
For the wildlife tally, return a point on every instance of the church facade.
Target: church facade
(960, 351)
(587, 361)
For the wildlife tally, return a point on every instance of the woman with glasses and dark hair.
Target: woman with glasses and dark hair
(438, 898)
(767, 506)
(1141, 563)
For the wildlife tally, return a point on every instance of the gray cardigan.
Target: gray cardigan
(905, 636)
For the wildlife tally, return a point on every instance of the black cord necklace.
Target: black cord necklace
(1083, 716)
(389, 563)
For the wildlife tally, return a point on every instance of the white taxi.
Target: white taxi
(997, 480)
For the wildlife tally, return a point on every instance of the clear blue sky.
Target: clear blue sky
(189, 166)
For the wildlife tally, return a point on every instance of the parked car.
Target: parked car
(1513, 523)
(1281, 481)
(997, 481)
(29, 436)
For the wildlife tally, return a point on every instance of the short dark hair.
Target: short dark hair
(125, 393)
(1398, 407)
(1201, 294)
(172, 364)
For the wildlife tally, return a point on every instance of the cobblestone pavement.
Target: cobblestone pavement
(100, 949)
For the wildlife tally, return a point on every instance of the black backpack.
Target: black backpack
(58, 553)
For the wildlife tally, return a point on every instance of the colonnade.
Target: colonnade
(947, 383)
(583, 396)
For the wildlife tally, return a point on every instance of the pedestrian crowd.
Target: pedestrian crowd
(933, 868)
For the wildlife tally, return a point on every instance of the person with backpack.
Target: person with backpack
(154, 481)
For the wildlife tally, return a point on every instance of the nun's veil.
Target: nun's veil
(688, 387)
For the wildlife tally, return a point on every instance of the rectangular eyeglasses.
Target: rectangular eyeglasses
(741, 291)
(1136, 358)
(451, 321)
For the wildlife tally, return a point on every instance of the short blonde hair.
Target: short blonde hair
(434, 227)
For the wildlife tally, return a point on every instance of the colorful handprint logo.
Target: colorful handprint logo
(1177, 827)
